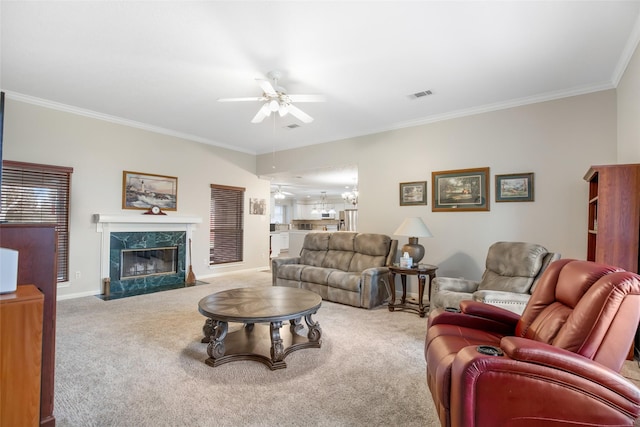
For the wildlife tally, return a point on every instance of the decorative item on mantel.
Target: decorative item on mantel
(413, 227)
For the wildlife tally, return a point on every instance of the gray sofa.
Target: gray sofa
(344, 267)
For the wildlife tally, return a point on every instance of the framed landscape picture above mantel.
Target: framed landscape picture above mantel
(144, 190)
(460, 190)
(413, 193)
(514, 187)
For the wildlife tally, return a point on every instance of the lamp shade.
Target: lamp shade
(413, 227)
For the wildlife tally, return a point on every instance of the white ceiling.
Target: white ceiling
(162, 65)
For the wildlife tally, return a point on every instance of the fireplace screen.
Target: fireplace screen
(148, 262)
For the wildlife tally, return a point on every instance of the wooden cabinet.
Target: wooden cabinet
(37, 264)
(613, 235)
(20, 356)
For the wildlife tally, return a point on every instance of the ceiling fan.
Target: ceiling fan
(279, 194)
(275, 98)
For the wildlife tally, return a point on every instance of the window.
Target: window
(279, 214)
(34, 193)
(226, 224)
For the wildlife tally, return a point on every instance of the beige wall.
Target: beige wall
(557, 140)
(629, 112)
(99, 151)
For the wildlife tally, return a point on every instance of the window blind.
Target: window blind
(226, 224)
(33, 193)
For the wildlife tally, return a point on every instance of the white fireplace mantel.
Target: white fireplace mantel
(103, 219)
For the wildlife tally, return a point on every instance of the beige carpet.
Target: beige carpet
(138, 361)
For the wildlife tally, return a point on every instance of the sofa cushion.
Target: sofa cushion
(314, 249)
(341, 246)
(318, 275)
(371, 251)
(338, 259)
(343, 280)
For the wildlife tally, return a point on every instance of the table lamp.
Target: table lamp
(413, 227)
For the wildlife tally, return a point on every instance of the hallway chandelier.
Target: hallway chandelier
(351, 196)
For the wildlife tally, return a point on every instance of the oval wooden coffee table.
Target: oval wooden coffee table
(256, 341)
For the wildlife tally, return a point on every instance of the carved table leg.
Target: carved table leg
(207, 330)
(296, 325)
(421, 283)
(403, 279)
(216, 349)
(277, 347)
(314, 329)
(392, 290)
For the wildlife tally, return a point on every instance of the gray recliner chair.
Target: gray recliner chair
(512, 271)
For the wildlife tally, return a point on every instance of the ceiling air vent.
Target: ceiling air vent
(421, 94)
(293, 126)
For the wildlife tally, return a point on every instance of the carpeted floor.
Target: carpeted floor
(138, 361)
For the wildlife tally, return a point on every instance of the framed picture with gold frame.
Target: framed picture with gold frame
(460, 190)
(145, 190)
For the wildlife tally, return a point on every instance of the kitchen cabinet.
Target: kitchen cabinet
(304, 212)
(284, 241)
(274, 244)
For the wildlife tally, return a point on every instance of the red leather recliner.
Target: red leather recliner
(557, 364)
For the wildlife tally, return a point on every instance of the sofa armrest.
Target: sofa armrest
(375, 286)
(277, 262)
(569, 389)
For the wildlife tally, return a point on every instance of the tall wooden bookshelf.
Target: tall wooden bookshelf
(613, 235)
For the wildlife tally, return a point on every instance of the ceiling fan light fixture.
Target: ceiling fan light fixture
(274, 105)
(284, 110)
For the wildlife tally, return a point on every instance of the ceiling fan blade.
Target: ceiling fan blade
(254, 98)
(307, 98)
(266, 87)
(263, 112)
(299, 114)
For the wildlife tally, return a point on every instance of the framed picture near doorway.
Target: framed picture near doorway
(145, 190)
(460, 190)
(413, 193)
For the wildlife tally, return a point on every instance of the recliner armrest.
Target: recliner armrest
(490, 312)
(453, 284)
(476, 315)
(540, 353)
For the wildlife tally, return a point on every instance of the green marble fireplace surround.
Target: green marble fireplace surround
(145, 240)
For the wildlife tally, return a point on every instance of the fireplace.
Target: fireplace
(143, 253)
(148, 262)
(137, 257)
